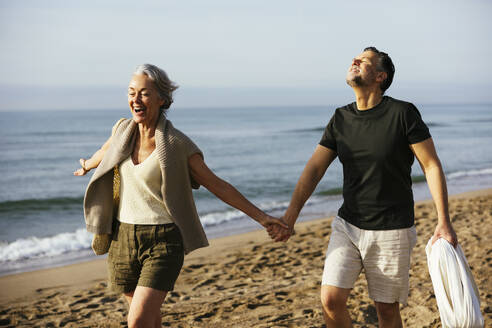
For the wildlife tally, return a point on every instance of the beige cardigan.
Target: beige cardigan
(173, 150)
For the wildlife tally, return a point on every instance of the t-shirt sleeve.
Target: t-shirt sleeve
(415, 128)
(328, 138)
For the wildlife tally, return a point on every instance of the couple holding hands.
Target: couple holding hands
(155, 222)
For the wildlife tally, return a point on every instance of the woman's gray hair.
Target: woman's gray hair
(163, 84)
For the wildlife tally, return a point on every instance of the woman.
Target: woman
(157, 222)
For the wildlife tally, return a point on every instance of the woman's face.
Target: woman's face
(143, 99)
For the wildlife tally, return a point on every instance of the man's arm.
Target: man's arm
(425, 152)
(310, 177)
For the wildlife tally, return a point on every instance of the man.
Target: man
(376, 139)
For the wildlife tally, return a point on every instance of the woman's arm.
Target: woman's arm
(425, 153)
(227, 193)
(93, 162)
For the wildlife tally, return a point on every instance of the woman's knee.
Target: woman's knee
(145, 307)
(334, 298)
(140, 321)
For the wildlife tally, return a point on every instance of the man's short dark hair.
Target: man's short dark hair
(385, 64)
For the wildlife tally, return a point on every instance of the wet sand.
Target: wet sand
(249, 281)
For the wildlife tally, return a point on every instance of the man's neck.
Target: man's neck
(367, 98)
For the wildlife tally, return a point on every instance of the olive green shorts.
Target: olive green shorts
(144, 255)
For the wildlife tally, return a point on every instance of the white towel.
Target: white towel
(456, 292)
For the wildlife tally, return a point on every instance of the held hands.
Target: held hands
(280, 233)
(82, 171)
(269, 221)
(276, 228)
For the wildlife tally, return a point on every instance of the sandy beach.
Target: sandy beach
(249, 281)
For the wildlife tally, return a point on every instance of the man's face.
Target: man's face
(362, 72)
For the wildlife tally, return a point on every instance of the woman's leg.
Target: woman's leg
(129, 297)
(163, 259)
(145, 307)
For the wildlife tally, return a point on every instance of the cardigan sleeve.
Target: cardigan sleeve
(191, 149)
(183, 147)
(116, 126)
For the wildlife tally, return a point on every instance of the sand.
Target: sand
(249, 281)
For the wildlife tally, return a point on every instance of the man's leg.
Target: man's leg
(389, 315)
(387, 264)
(334, 302)
(343, 265)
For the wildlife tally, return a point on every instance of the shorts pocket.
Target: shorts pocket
(169, 240)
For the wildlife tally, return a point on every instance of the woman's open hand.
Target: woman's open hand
(82, 170)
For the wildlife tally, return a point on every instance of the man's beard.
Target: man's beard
(356, 82)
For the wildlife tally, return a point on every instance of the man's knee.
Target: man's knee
(334, 298)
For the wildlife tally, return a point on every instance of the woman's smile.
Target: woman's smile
(143, 99)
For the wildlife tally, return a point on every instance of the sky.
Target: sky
(81, 54)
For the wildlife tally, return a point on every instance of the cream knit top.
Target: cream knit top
(140, 192)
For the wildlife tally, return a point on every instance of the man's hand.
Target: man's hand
(445, 231)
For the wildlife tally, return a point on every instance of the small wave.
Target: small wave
(481, 120)
(316, 129)
(434, 124)
(214, 218)
(39, 204)
(460, 174)
(322, 128)
(55, 133)
(418, 178)
(331, 192)
(33, 247)
(339, 190)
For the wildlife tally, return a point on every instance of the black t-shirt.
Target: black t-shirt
(373, 147)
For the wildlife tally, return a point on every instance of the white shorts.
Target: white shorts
(383, 254)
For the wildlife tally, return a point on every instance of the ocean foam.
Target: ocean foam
(34, 247)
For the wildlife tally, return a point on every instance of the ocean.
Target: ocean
(261, 151)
